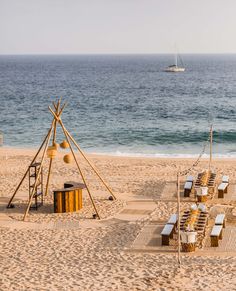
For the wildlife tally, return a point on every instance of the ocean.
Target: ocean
(122, 104)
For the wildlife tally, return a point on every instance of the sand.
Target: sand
(74, 252)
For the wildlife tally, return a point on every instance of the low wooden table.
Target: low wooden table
(210, 182)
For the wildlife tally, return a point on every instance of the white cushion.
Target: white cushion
(173, 219)
(188, 185)
(225, 179)
(190, 179)
(222, 186)
(167, 229)
(216, 230)
(220, 219)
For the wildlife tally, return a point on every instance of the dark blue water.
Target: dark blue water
(122, 104)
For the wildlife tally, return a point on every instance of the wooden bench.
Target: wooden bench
(216, 234)
(225, 179)
(190, 179)
(166, 234)
(220, 220)
(173, 219)
(222, 189)
(187, 188)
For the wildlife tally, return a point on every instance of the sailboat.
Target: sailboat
(174, 68)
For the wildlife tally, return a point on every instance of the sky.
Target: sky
(117, 26)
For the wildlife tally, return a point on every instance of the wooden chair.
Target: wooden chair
(166, 234)
(216, 235)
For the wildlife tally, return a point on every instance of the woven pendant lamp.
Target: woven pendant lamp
(64, 144)
(67, 158)
(51, 152)
(56, 145)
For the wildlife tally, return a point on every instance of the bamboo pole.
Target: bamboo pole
(48, 177)
(54, 139)
(60, 112)
(80, 171)
(211, 140)
(94, 169)
(39, 171)
(178, 206)
(56, 104)
(35, 157)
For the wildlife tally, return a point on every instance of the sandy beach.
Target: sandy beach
(72, 251)
(117, 145)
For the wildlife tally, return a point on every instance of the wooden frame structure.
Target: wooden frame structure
(44, 146)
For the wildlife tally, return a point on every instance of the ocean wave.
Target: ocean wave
(161, 155)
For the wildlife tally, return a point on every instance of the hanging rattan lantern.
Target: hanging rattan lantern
(51, 152)
(67, 158)
(64, 144)
(56, 145)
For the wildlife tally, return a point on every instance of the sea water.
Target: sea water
(122, 104)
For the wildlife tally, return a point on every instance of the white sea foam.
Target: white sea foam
(162, 155)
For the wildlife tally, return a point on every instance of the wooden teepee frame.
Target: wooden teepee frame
(44, 146)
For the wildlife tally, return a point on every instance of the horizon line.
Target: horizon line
(103, 54)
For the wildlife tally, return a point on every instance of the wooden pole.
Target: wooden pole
(35, 157)
(80, 171)
(54, 139)
(60, 112)
(178, 206)
(58, 103)
(94, 169)
(211, 140)
(39, 171)
(49, 173)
